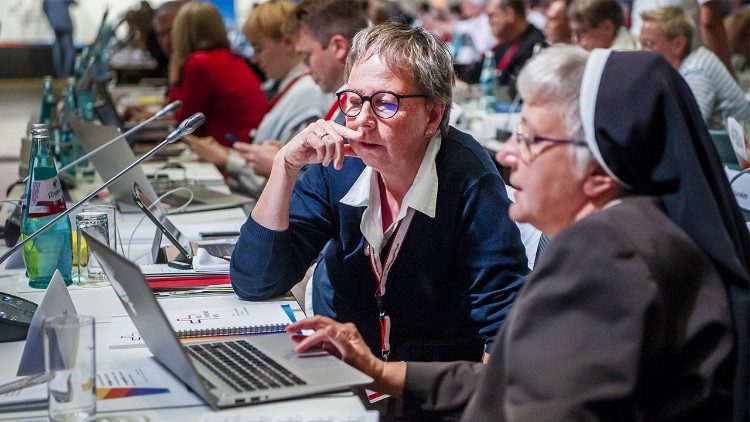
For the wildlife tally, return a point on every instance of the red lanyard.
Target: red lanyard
(332, 110)
(509, 53)
(380, 270)
(278, 96)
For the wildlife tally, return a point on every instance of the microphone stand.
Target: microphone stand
(187, 127)
(166, 110)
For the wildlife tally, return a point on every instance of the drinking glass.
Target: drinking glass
(70, 360)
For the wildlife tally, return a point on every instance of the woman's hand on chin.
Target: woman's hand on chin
(321, 142)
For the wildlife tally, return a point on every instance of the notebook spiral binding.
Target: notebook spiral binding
(231, 331)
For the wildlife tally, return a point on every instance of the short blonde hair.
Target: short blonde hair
(197, 27)
(673, 21)
(267, 20)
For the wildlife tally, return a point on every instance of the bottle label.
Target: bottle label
(46, 198)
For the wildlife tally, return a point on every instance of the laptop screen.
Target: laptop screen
(138, 299)
(104, 108)
(163, 225)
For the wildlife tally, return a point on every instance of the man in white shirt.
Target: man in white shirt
(669, 31)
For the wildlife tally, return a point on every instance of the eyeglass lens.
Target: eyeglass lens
(384, 104)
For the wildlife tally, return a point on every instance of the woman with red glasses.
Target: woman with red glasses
(406, 216)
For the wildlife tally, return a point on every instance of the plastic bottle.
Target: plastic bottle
(488, 81)
(44, 201)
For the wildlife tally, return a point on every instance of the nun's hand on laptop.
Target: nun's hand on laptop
(341, 340)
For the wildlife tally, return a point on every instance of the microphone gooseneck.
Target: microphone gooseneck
(187, 127)
(169, 108)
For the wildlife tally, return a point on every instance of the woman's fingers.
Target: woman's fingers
(321, 142)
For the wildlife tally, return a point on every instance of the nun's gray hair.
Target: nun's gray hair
(553, 78)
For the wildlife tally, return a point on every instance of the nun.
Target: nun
(637, 308)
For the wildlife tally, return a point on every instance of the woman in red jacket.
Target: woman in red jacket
(211, 79)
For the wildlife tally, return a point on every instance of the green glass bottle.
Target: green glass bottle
(43, 202)
(49, 102)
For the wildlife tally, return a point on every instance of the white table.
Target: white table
(102, 303)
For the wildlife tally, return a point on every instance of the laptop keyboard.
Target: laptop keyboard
(243, 366)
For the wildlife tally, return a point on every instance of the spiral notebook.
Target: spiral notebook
(240, 319)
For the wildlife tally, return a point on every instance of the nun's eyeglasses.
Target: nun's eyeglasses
(525, 140)
(383, 103)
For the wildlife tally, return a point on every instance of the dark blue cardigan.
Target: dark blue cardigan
(453, 281)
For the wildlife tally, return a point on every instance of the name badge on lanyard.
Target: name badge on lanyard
(380, 270)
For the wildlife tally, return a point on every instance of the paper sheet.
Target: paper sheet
(139, 384)
(124, 334)
(56, 301)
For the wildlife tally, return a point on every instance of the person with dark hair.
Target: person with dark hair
(598, 24)
(159, 41)
(557, 29)
(324, 30)
(407, 219)
(517, 39)
(63, 49)
(628, 314)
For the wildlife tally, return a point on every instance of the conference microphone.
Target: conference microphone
(187, 127)
(169, 108)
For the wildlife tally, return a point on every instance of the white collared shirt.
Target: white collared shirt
(421, 196)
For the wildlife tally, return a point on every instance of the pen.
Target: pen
(29, 381)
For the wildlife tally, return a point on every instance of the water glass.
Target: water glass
(114, 238)
(70, 360)
(95, 223)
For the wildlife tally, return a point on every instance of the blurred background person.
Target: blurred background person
(63, 49)
(383, 11)
(737, 25)
(598, 24)
(323, 32)
(669, 31)
(471, 37)
(295, 100)
(209, 78)
(160, 37)
(557, 29)
(518, 40)
(707, 14)
(535, 13)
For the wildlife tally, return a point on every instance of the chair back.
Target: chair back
(724, 148)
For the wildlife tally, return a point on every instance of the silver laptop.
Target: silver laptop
(227, 372)
(118, 155)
